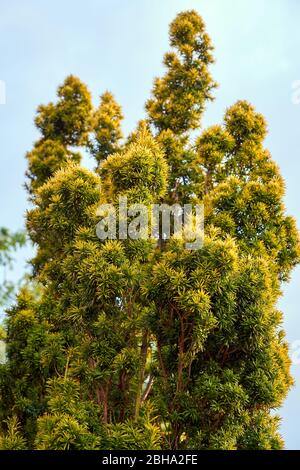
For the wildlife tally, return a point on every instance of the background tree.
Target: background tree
(134, 344)
(9, 243)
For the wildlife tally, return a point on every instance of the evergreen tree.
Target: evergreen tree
(134, 344)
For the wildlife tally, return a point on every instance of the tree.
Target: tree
(134, 344)
(9, 242)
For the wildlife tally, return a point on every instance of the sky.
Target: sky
(118, 45)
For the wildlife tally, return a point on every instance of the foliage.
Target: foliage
(107, 131)
(12, 439)
(134, 344)
(9, 242)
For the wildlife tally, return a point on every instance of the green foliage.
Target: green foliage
(69, 120)
(179, 97)
(62, 205)
(68, 423)
(261, 433)
(131, 435)
(9, 243)
(12, 439)
(133, 344)
(140, 171)
(106, 127)
(44, 160)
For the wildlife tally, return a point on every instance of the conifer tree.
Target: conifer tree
(134, 344)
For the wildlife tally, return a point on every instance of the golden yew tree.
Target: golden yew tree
(139, 344)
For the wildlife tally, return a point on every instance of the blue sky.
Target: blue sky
(118, 45)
